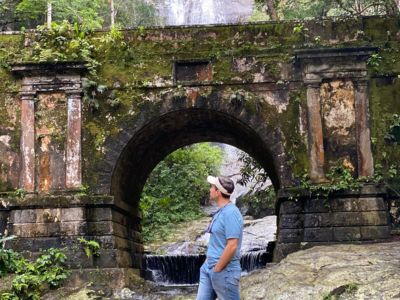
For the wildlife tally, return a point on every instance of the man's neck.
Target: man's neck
(223, 201)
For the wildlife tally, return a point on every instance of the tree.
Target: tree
(84, 12)
(302, 9)
(7, 14)
(175, 188)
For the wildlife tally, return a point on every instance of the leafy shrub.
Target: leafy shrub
(175, 188)
(8, 258)
(32, 278)
(91, 247)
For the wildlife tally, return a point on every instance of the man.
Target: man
(220, 273)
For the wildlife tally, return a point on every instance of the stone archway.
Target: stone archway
(175, 127)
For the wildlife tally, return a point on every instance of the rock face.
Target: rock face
(346, 271)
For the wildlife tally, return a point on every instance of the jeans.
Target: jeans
(224, 284)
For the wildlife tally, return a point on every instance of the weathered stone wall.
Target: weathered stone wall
(140, 74)
(348, 217)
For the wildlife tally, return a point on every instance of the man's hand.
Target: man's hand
(229, 252)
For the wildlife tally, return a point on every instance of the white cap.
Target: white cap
(215, 181)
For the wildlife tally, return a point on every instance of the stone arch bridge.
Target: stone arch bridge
(75, 153)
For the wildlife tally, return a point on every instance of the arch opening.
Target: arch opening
(174, 130)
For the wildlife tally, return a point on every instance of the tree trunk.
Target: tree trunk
(271, 10)
(112, 13)
(49, 13)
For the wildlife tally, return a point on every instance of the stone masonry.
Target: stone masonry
(76, 169)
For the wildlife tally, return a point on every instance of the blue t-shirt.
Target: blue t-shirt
(227, 224)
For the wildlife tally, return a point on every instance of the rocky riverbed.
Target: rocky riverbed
(349, 272)
(343, 271)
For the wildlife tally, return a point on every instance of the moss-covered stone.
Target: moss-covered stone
(136, 69)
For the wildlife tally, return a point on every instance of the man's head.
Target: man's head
(220, 186)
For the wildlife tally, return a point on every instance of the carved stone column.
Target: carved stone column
(27, 175)
(73, 150)
(315, 135)
(365, 159)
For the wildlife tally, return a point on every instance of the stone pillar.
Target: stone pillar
(73, 151)
(27, 175)
(365, 159)
(315, 135)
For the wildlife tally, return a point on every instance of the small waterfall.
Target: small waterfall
(173, 269)
(194, 12)
(185, 269)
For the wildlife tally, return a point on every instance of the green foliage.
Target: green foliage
(86, 13)
(260, 199)
(61, 42)
(175, 188)
(393, 134)
(91, 247)
(8, 258)
(348, 289)
(19, 193)
(251, 170)
(374, 61)
(32, 278)
(306, 9)
(339, 178)
(260, 202)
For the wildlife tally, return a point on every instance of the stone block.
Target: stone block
(291, 221)
(72, 214)
(318, 220)
(283, 249)
(100, 228)
(54, 229)
(23, 216)
(106, 259)
(48, 215)
(344, 219)
(318, 234)
(120, 230)
(290, 207)
(346, 234)
(36, 244)
(316, 205)
(99, 214)
(30, 230)
(375, 218)
(290, 235)
(3, 221)
(137, 261)
(124, 259)
(375, 232)
(120, 218)
(357, 204)
(136, 236)
(74, 228)
(77, 258)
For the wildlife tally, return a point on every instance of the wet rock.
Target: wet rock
(346, 271)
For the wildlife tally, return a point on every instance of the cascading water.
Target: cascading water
(197, 12)
(189, 12)
(185, 269)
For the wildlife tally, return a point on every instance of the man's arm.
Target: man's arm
(229, 252)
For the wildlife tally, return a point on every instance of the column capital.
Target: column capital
(27, 95)
(74, 93)
(360, 82)
(313, 84)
